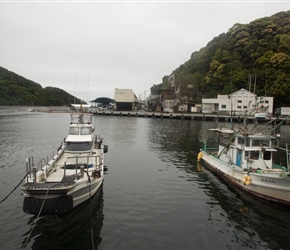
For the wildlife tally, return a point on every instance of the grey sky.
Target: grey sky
(90, 48)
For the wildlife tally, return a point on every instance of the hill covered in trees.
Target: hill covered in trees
(248, 53)
(16, 90)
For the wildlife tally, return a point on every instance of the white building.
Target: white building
(239, 103)
(125, 99)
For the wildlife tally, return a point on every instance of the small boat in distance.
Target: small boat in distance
(72, 176)
(245, 158)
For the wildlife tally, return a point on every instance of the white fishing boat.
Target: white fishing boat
(245, 159)
(72, 176)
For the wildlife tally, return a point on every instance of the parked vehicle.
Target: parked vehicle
(283, 111)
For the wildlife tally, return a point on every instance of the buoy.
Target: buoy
(244, 180)
(247, 180)
(199, 156)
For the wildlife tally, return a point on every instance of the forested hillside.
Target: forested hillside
(16, 90)
(258, 51)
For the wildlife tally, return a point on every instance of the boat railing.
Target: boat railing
(212, 150)
(81, 118)
(82, 164)
(44, 166)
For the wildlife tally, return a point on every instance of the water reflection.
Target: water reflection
(249, 222)
(79, 229)
(175, 140)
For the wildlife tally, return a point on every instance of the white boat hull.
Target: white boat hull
(56, 201)
(84, 191)
(270, 184)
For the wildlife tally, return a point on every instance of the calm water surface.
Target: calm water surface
(154, 196)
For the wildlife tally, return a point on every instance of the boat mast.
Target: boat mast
(231, 125)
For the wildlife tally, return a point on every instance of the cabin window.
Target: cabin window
(267, 155)
(85, 131)
(73, 131)
(78, 146)
(254, 155)
(225, 139)
(241, 141)
(260, 143)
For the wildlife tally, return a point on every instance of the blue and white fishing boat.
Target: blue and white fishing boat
(72, 176)
(245, 158)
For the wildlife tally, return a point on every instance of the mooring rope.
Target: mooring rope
(91, 211)
(14, 189)
(34, 222)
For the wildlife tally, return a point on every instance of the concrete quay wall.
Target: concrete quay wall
(180, 116)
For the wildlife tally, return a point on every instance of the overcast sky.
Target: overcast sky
(90, 48)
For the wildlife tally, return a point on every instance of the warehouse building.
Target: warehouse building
(125, 99)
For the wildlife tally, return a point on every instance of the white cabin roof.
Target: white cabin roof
(79, 138)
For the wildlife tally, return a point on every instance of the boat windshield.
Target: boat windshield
(86, 131)
(73, 130)
(78, 146)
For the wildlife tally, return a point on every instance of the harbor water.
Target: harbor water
(155, 195)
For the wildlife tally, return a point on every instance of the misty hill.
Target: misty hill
(17, 90)
(258, 51)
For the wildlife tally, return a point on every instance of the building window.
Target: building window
(239, 101)
(239, 107)
(245, 107)
(224, 106)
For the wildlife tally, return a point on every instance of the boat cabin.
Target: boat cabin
(80, 137)
(245, 150)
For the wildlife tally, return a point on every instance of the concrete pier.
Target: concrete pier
(182, 116)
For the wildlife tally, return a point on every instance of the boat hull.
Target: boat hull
(54, 202)
(269, 186)
(56, 205)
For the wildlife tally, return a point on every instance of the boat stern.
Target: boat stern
(61, 204)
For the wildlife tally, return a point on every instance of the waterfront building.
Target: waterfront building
(237, 103)
(125, 99)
